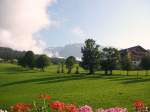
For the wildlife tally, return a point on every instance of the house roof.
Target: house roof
(134, 48)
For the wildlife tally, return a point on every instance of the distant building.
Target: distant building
(136, 54)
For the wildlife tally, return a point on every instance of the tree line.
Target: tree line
(30, 61)
(96, 58)
(8, 55)
(69, 63)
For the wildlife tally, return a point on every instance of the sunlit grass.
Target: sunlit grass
(98, 90)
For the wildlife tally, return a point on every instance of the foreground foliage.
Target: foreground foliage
(57, 106)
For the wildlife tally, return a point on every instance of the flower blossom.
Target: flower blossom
(21, 107)
(45, 97)
(71, 108)
(57, 105)
(85, 108)
(139, 104)
(116, 109)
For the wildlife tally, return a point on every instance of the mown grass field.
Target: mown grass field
(98, 90)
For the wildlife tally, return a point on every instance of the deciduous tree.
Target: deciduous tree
(70, 61)
(90, 56)
(110, 59)
(145, 63)
(125, 61)
(42, 61)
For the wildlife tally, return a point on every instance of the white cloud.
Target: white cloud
(20, 19)
(81, 35)
(79, 32)
(135, 34)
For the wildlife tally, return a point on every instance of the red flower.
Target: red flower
(71, 108)
(57, 105)
(21, 107)
(45, 97)
(139, 104)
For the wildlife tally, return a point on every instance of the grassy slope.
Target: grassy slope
(19, 85)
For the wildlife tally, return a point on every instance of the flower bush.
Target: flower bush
(57, 106)
(21, 107)
(116, 109)
(85, 108)
(71, 108)
(140, 106)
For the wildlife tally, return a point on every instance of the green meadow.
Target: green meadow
(97, 90)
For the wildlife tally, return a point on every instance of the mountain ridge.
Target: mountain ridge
(65, 51)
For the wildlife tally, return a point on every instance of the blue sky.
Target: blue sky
(119, 23)
(34, 23)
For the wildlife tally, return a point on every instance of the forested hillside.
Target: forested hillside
(9, 54)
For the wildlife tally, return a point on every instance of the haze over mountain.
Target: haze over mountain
(64, 52)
